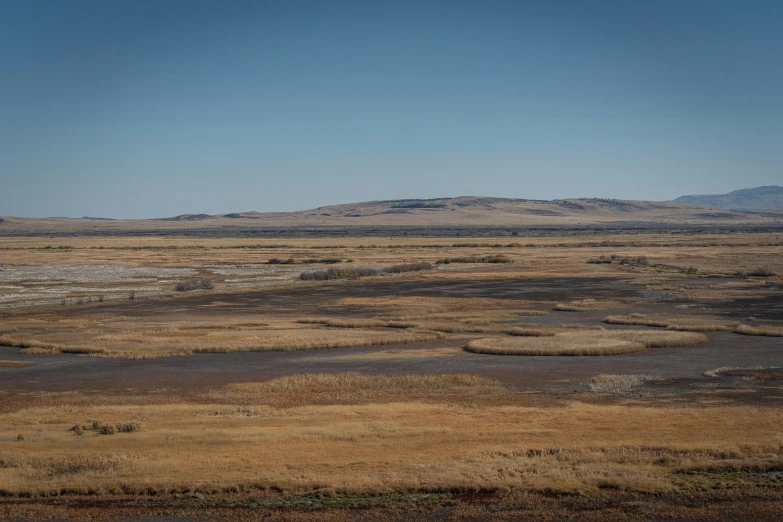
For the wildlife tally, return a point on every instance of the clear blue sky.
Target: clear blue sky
(155, 108)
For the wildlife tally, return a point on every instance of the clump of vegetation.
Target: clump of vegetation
(687, 323)
(499, 258)
(556, 345)
(355, 273)
(326, 260)
(618, 383)
(194, 284)
(600, 260)
(635, 261)
(585, 305)
(757, 272)
(103, 428)
(585, 342)
(526, 331)
(762, 329)
(620, 260)
(278, 261)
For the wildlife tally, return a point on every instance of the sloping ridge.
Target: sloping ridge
(760, 198)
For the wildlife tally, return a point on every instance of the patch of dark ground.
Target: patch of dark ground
(681, 369)
(321, 298)
(745, 504)
(768, 307)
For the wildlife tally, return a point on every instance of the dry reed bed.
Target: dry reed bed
(141, 344)
(587, 305)
(608, 383)
(584, 342)
(762, 329)
(676, 322)
(465, 444)
(351, 388)
(695, 324)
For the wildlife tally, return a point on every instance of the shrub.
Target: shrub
(354, 273)
(635, 261)
(760, 272)
(327, 260)
(499, 258)
(601, 260)
(194, 284)
(278, 261)
(407, 267)
(112, 428)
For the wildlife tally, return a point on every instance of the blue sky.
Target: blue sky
(157, 108)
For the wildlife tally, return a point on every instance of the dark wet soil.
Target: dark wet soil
(681, 369)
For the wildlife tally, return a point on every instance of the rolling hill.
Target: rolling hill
(466, 212)
(759, 198)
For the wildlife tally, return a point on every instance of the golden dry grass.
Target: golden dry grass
(585, 342)
(608, 383)
(166, 342)
(587, 305)
(682, 322)
(557, 345)
(363, 433)
(527, 331)
(657, 339)
(358, 435)
(14, 364)
(358, 323)
(762, 329)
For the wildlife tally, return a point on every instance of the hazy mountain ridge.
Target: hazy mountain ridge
(465, 212)
(760, 198)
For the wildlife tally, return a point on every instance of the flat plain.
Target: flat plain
(631, 375)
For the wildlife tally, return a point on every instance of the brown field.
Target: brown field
(392, 396)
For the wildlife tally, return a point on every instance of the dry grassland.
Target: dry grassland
(359, 433)
(762, 329)
(618, 383)
(588, 305)
(583, 342)
(696, 323)
(139, 343)
(368, 434)
(384, 321)
(691, 323)
(83, 269)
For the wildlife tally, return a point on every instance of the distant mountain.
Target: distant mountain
(466, 211)
(759, 198)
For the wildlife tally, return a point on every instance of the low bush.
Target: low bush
(278, 261)
(111, 428)
(354, 273)
(614, 258)
(326, 260)
(499, 258)
(600, 260)
(194, 284)
(759, 272)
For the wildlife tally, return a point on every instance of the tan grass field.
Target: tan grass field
(584, 342)
(390, 426)
(360, 433)
(682, 322)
